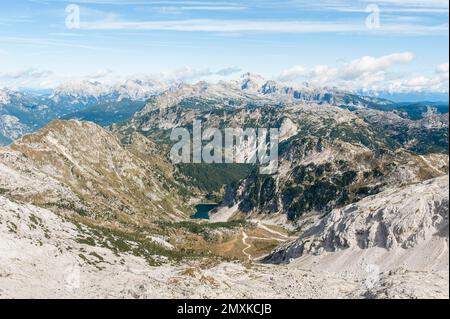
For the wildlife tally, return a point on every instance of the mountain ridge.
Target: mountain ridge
(107, 104)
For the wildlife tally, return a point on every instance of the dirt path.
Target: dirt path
(260, 225)
(244, 241)
(276, 237)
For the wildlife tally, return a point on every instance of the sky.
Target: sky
(387, 45)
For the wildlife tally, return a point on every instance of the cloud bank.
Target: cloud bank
(370, 73)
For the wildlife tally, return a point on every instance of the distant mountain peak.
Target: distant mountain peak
(4, 96)
(250, 81)
(131, 88)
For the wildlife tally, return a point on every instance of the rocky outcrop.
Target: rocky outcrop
(396, 219)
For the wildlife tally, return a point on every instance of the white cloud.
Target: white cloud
(185, 74)
(94, 14)
(99, 74)
(182, 9)
(236, 26)
(320, 72)
(386, 6)
(25, 74)
(442, 68)
(369, 64)
(324, 73)
(189, 74)
(32, 77)
(372, 74)
(364, 68)
(228, 71)
(414, 3)
(419, 84)
(293, 73)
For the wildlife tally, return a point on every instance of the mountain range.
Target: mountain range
(105, 104)
(90, 202)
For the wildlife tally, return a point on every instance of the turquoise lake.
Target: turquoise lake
(202, 211)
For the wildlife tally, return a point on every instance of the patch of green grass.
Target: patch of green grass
(203, 229)
(35, 220)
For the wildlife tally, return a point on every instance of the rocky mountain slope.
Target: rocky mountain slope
(79, 166)
(317, 175)
(402, 227)
(424, 135)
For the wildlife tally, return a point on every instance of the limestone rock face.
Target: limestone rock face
(396, 220)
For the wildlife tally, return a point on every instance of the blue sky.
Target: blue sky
(324, 42)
